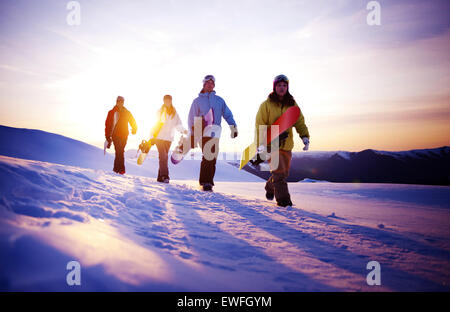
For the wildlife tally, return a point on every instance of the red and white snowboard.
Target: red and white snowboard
(284, 122)
(185, 143)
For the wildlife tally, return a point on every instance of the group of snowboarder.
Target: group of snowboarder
(206, 112)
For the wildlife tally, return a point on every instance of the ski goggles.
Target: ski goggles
(280, 78)
(209, 77)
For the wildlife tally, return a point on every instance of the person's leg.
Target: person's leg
(167, 145)
(279, 177)
(119, 161)
(118, 152)
(123, 142)
(210, 149)
(270, 191)
(160, 152)
(116, 159)
(163, 152)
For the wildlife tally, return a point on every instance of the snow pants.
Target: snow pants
(210, 150)
(277, 184)
(119, 160)
(163, 147)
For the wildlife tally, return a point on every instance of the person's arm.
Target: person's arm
(133, 124)
(301, 127)
(227, 114)
(109, 125)
(193, 112)
(303, 131)
(261, 120)
(179, 124)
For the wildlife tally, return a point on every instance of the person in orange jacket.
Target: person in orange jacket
(116, 131)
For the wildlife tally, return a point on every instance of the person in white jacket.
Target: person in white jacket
(164, 136)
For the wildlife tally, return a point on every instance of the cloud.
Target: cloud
(20, 70)
(343, 24)
(76, 40)
(419, 110)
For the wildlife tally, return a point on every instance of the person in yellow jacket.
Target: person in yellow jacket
(270, 110)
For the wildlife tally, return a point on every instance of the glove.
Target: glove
(144, 146)
(257, 161)
(234, 131)
(109, 142)
(306, 142)
(133, 131)
(259, 151)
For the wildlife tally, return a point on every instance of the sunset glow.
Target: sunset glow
(359, 86)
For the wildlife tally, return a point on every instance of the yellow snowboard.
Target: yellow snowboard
(247, 154)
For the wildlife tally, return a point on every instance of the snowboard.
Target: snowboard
(284, 122)
(145, 146)
(185, 144)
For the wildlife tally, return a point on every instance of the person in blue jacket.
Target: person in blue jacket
(209, 104)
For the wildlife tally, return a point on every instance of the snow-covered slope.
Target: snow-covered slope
(54, 148)
(132, 233)
(49, 147)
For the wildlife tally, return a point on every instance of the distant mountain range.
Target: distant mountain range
(424, 166)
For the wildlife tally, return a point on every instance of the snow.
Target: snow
(49, 147)
(308, 180)
(131, 233)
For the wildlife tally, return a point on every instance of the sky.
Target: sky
(359, 86)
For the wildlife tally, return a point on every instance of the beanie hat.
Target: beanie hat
(278, 79)
(209, 77)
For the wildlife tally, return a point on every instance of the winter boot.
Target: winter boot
(270, 195)
(207, 187)
(269, 189)
(284, 202)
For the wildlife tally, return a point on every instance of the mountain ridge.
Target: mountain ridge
(418, 166)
